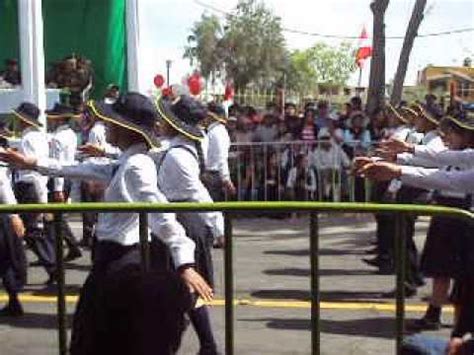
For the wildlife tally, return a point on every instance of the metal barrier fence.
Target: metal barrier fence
(228, 208)
(260, 171)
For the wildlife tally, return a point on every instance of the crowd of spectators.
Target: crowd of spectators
(303, 152)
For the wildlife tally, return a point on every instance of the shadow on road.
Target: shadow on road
(324, 272)
(31, 320)
(382, 327)
(322, 252)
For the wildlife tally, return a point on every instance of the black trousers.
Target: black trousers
(416, 196)
(41, 243)
(385, 221)
(89, 219)
(13, 268)
(123, 310)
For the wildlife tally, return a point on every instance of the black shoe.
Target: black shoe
(73, 255)
(410, 291)
(12, 310)
(52, 279)
(424, 324)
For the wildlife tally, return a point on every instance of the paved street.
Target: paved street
(272, 284)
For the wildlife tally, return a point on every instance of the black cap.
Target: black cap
(216, 112)
(133, 111)
(183, 114)
(28, 113)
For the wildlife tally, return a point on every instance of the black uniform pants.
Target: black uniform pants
(41, 243)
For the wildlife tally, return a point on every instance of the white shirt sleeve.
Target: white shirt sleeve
(81, 171)
(6, 192)
(219, 145)
(460, 181)
(291, 178)
(144, 185)
(435, 146)
(446, 157)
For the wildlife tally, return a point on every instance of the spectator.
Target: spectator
(356, 103)
(271, 187)
(329, 160)
(309, 130)
(292, 121)
(301, 181)
(323, 119)
(357, 137)
(11, 74)
(244, 130)
(377, 125)
(267, 130)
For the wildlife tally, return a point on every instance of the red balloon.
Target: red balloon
(158, 80)
(194, 84)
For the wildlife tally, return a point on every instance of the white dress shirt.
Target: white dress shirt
(218, 150)
(97, 137)
(7, 196)
(63, 148)
(131, 179)
(431, 142)
(461, 181)
(178, 178)
(34, 143)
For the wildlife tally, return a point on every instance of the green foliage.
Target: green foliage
(320, 64)
(205, 45)
(249, 46)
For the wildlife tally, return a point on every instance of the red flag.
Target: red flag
(365, 49)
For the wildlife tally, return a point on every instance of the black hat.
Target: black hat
(432, 113)
(465, 120)
(61, 111)
(183, 114)
(132, 111)
(216, 112)
(396, 113)
(29, 113)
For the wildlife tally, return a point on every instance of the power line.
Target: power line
(322, 35)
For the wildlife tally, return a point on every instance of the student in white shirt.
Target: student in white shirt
(63, 148)
(179, 169)
(30, 186)
(217, 179)
(13, 268)
(121, 310)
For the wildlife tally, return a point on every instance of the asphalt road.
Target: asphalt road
(272, 287)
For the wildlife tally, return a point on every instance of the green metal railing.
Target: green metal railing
(314, 208)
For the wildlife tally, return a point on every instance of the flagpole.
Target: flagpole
(360, 76)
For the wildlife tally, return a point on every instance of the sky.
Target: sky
(166, 24)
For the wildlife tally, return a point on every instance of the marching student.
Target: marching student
(217, 180)
(94, 136)
(179, 169)
(122, 310)
(13, 268)
(30, 186)
(63, 147)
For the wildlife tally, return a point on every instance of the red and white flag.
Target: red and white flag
(365, 49)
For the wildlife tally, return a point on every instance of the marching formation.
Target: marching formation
(135, 150)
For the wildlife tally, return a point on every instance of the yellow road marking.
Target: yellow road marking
(346, 306)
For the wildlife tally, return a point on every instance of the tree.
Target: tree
(320, 64)
(205, 46)
(467, 62)
(412, 31)
(376, 92)
(254, 46)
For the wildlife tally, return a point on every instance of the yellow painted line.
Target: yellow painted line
(345, 306)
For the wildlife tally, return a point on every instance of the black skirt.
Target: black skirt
(201, 235)
(445, 245)
(123, 310)
(12, 255)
